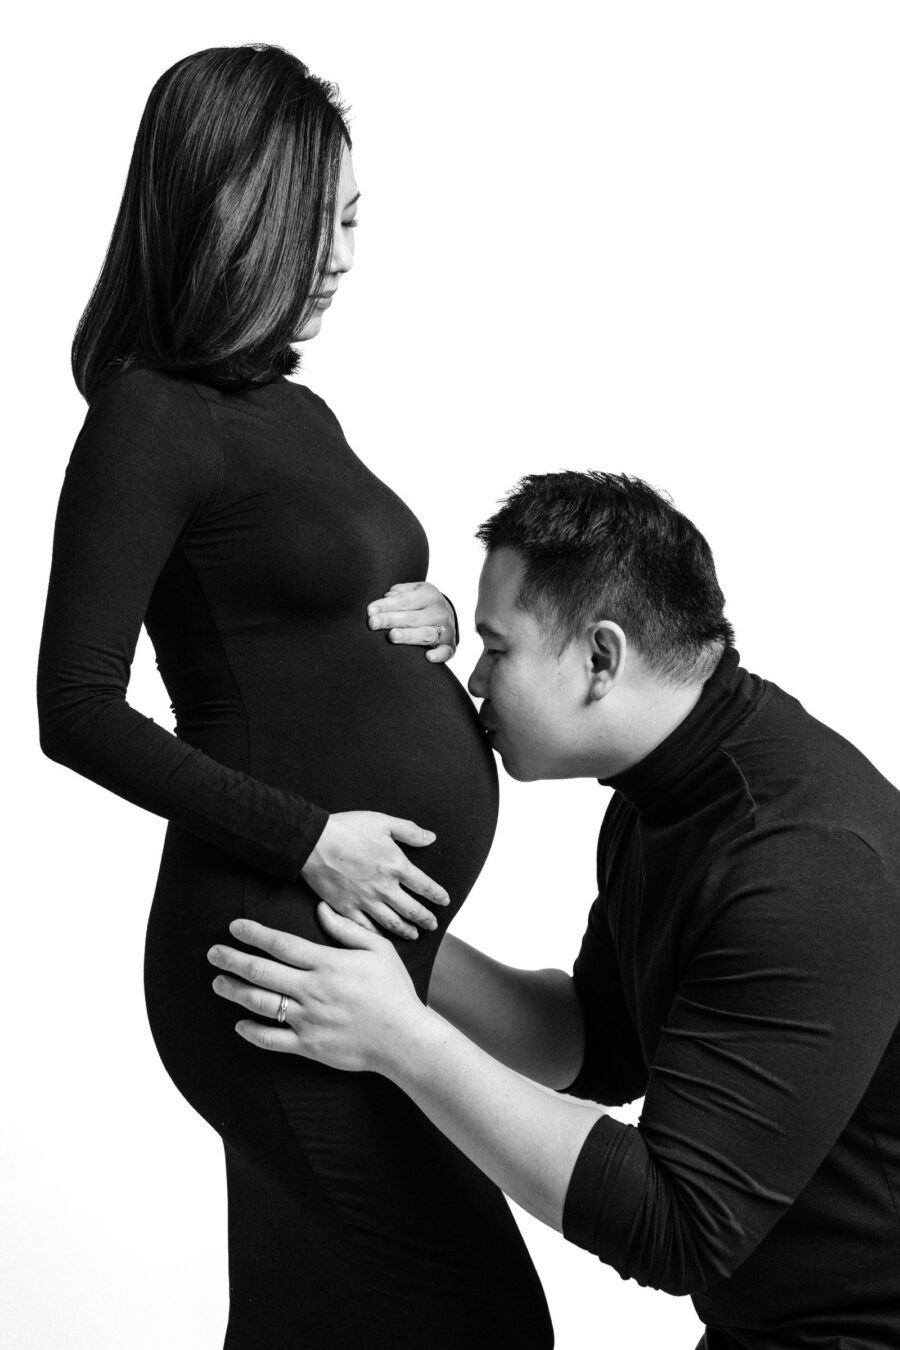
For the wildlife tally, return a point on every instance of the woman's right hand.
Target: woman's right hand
(358, 868)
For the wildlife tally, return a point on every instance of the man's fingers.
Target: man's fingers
(282, 1039)
(359, 917)
(260, 1001)
(347, 931)
(254, 969)
(287, 947)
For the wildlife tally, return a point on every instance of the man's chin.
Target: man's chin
(513, 768)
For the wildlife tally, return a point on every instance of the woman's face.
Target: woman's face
(340, 258)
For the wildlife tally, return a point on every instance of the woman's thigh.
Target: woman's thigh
(434, 1234)
(346, 1206)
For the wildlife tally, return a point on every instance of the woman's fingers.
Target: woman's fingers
(408, 832)
(404, 586)
(405, 909)
(410, 876)
(407, 596)
(417, 614)
(391, 922)
(357, 867)
(423, 635)
(413, 879)
(347, 931)
(399, 621)
(410, 909)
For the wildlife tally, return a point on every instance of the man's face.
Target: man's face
(535, 697)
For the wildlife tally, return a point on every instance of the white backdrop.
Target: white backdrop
(651, 237)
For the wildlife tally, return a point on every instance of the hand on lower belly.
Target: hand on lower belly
(350, 1007)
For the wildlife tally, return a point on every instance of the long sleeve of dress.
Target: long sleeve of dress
(144, 470)
(784, 1009)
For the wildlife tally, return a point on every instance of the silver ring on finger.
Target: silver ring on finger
(438, 635)
(282, 1010)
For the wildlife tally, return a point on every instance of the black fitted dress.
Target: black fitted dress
(242, 529)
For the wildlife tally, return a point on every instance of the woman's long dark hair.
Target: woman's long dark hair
(220, 244)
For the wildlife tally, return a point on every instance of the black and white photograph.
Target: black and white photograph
(454, 801)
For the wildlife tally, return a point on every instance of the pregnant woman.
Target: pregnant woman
(219, 503)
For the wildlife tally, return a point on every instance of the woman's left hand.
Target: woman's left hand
(417, 613)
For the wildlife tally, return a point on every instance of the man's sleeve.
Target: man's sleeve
(613, 1070)
(787, 1004)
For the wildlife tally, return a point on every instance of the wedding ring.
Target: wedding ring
(282, 1009)
(438, 635)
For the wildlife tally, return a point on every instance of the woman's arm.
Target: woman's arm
(145, 469)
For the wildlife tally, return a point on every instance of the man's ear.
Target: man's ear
(609, 651)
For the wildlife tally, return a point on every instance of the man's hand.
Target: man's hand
(357, 1009)
(351, 1009)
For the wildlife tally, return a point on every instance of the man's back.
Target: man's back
(741, 969)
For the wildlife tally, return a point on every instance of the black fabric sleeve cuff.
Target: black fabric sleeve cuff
(316, 821)
(584, 1197)
(455, 619)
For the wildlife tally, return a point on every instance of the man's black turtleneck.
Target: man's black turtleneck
(741, 971)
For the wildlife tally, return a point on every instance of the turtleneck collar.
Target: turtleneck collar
(728, 696)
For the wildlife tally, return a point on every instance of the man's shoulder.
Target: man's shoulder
(801, 775)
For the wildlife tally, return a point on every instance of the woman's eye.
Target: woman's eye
(349, 224)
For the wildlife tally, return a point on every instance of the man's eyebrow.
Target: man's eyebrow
(489, 630)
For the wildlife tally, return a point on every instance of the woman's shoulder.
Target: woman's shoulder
(149, 392)
(315, 404)
(142, 419)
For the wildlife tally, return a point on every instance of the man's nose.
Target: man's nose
(478, 681)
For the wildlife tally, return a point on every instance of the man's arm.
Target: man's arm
(526, 1138)
(530, 1020)
(780, 1021)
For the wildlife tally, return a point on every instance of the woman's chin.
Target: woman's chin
(310, 329)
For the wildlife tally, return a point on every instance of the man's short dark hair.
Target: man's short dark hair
(608, 546)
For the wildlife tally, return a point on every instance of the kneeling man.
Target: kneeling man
(740, 968)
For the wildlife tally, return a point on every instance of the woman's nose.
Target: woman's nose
(341, 257)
